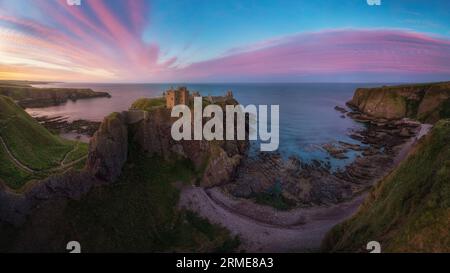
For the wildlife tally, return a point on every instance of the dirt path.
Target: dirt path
(404, 151)
(264, 229)
(68, 153)
(63, 164)
(68, 165)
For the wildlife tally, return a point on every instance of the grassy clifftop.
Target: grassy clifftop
(148, 104)
(409, 210)
(425, 102)
(30, 148)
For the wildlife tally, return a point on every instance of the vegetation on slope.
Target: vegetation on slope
(10, 173)
(30, 144)
(138, 213)
(80, 150)
(409, 210)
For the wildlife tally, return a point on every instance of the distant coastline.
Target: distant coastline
(28, 96)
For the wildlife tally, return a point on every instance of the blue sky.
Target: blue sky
(210, 28)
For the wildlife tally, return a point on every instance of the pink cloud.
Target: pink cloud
(93, 40)
(330, 53)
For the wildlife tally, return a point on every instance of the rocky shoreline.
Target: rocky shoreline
(62, 126)
(307, 184)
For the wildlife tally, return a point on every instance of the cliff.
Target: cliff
(408, 210)
(215, 161)
(108, 148)
(425, 102)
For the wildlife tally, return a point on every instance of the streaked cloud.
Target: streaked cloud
(330, 54)
(103, 41)
(93, 41)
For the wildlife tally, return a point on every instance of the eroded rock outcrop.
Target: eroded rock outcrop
(108, 148)
(221, 167)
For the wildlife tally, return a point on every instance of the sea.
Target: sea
(308, 119)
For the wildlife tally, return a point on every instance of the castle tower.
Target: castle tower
(183, 95)
(170, 98)
(175, 97)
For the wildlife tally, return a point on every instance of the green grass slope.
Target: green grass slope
(13, 176)
(409, 210)
(30, 143)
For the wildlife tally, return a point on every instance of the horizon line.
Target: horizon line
(233, 82)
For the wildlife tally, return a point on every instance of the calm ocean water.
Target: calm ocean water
(307, 115)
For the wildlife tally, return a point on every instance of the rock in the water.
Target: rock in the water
(340, 109)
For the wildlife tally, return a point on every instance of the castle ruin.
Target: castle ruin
(182, 96)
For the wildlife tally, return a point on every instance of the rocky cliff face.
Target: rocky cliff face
(425, 102)
(108, 148)
(220, 168)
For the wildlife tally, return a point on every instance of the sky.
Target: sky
(225, 41)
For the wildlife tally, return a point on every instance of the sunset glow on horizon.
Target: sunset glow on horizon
(208, 41)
